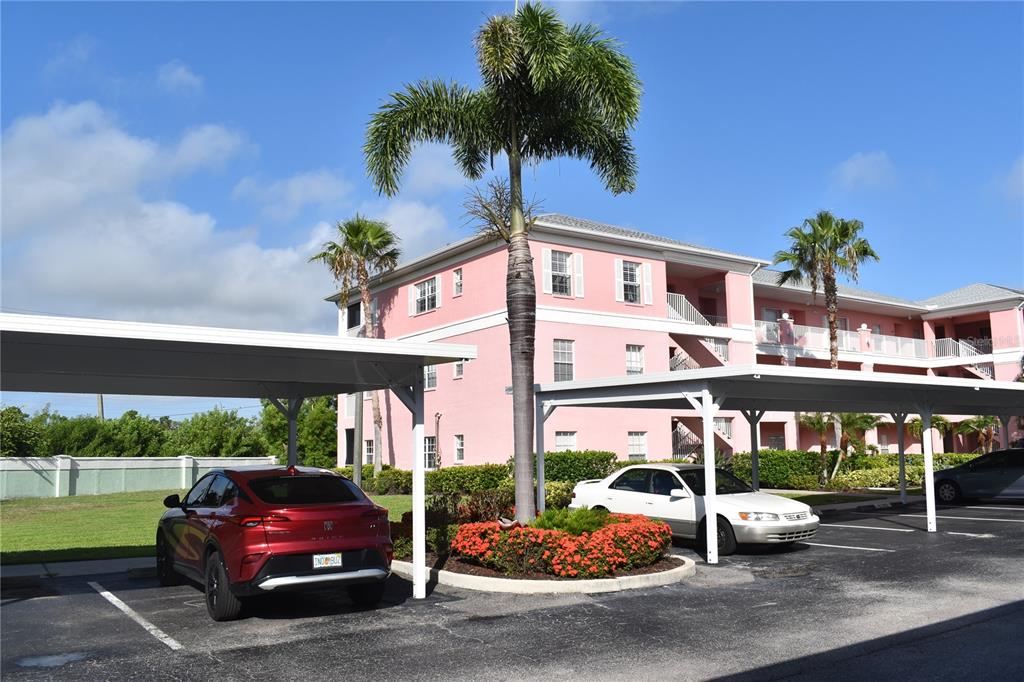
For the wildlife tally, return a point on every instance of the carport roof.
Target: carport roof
(798, 389)
(74, 355)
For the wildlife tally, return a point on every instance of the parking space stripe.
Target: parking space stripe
(966, 518)
(149, 627)
(1018, 509)
(864, 549)
(840, 525)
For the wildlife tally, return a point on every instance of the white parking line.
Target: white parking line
(1020, 509)
(966, 518)
(865, 549)
(840, 525)
(150, 628)
(971, 535)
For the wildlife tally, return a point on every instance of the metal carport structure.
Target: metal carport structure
(752, 389)
(74, 355)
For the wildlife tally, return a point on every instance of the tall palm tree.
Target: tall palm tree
(821, 249)
(852, 425)
(820, 423)
(939, 423)
(364, 248)
(548, 90)
(984, 427)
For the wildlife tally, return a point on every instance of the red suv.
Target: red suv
(243, 532)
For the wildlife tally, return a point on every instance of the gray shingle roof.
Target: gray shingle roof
(972, 294)
(770, 277)
(557, 219)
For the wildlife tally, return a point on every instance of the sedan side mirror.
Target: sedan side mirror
(678, 492)
(172, 501)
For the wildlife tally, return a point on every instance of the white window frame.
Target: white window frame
(631, 287)
(842, 323)
(430, 452)
(459, 369)
(424, 293)
(456, 282)
(565, 441)
(561, 273)
(429, 377)
(459, 448)
(573, 273)
(642, 280)
(636, 445)
(368, 453)
(634, 359)
(559, 356)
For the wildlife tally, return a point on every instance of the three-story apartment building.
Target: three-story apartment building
(613, 302)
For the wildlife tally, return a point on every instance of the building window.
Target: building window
(459, 369)
(776, 442)
(563, 360)
(565, 440)
(457, 279)
(630, 282)
(460, 448)
(429, 377)
(561, 277)
(354, 315)
(426, 296)
(637, 441)
(368, 452)
(634, 359)
(430, 452)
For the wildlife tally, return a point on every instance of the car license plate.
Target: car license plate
(327, 560)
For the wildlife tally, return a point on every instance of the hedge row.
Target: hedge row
(782, 468)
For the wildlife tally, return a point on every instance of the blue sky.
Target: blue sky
(178, 162)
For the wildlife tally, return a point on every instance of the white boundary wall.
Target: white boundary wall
(64, 476)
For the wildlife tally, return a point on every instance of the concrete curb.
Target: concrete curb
(514, 586)
(133, 566)
(868, 506)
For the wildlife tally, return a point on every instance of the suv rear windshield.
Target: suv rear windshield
(305, 490)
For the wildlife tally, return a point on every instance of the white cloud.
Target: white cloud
(71, 55)
(421, 227)
(79, 237)
(205, 146)
(431, 170)
(1012, 183)
(175, 76)
(865, 170)
(285, 199)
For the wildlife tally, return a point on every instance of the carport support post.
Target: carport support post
(929, 469)
(707, 408)
(291, 413)
(754, 418)
(900, 418)
(419, 497)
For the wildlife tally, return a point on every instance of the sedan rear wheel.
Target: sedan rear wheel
(165, 572)
(948, 492)
(221, 604)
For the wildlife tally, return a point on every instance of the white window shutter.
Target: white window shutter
(438, 289)
(412, 300)
(618, 281)
(546, 274)
(648, 285)
(578, 271)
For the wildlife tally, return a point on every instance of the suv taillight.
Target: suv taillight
(253, 521)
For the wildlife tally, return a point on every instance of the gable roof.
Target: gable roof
(771, 278)
(973, 294)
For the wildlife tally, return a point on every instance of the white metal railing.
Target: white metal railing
(986, 368)
(813, 338)
(681, 309)
(724, 426)
(681, 362)
(685, 443)
(767, 332)
(883, 344)
(847, 340)
(719, 346)
(952, 348)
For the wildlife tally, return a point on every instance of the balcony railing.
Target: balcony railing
(899, 346)
(952, 348)
(767, 332)
(679, 308)
(681, 362)
(816, 338)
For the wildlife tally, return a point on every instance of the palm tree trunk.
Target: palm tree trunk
(370, 332)
(832, 305)
(823, 446)
(521, 300)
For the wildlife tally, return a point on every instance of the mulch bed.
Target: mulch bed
(459, 565)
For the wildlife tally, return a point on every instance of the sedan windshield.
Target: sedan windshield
(725, 483)
(305, 490)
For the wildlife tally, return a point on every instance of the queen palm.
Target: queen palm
(547, 90)
(939, 423)
(364, 248)
(820, 423)
(820, 250)
(851, 426)
(984, 427)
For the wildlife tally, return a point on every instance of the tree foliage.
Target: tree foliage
(317, 427)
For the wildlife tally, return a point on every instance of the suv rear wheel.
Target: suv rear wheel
(165, 572)
(221, 604)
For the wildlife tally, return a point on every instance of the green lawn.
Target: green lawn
(99, 526)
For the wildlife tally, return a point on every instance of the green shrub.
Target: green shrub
(804, 482)
(402, 547)
(782, 468)
(557, 494)
(622, 464)
(466, 479)
(439, 539)
(575, 466)
(572, 521)
(878, 477)
(393, 482)
(347, 473)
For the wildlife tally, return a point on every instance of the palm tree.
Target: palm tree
(820, 423)
(939, 423)
(548, 91)
(364, 248)
(983, 427)
(851, 426)
(821, 249)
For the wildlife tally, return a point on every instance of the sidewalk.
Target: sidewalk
(65, 569)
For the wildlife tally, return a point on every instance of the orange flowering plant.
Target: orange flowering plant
(625, 542)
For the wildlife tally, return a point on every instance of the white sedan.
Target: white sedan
(675, 494)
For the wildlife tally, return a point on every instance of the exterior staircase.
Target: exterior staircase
(705, 352)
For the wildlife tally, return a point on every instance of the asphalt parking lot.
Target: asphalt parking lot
(873, 595)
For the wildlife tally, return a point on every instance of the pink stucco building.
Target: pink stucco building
(612, 301)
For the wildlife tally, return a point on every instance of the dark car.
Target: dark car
(998, 474)
(244, 532)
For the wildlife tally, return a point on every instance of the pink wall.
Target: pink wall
(811, 315)
(1006, 328)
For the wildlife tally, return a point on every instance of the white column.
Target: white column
(187, 467)
(340, 427)
(901, 432)
(710, 502)
(293, 432)
(929, 469)
(539, 419)
(1004, 419)
(754, 419)
(419, 497)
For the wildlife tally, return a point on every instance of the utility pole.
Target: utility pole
(99, 405)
